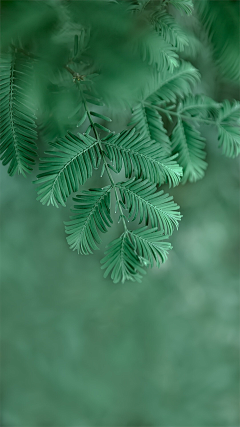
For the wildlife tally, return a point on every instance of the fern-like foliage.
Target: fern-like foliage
(127, 255)
(156, 51)
(122, 261)
(188, 142)
(171, 32)
(179, 83)
(128, 54)
(67, 166)
(199, 106)
(148, 122)
(154, 208)
(92, 215)
(150, 245)
(228, 124)
(141, 157)
(17, 132)
(219, 20)
(184, 6)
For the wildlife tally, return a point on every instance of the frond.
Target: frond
(122, 261)
(138, 6)
(190, 145)
(155, 208)
(92, 215)
(199, 106)
(220, 20)
(17, 130)
(194, 46)
(67, 166)
(149, 122)
(228, 124)
(184, 6)
(156, 51)
(141, 157)
(150, 246)
(179, 83)
(171, 32)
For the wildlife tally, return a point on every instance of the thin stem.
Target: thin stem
(173, 113)
(105, 162)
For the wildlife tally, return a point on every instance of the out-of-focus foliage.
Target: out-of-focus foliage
(220, 20)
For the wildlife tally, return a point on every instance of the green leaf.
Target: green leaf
(17, 129)
(102, 127)
(92, 215)
(178, 83)
(184, 6)
(149, 122)
(168, 28)
(190, 145)
(67, 166)
(150, 246)
(199, 106)
(157, 52)
(228, 124)
(82, 119)
(220, 20)
(145, 203)
(141, 157)
(101, 116)
(122, 261)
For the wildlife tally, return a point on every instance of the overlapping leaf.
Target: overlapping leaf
(141, 157)
(92, 215)
(199, 106)
(150, 246)
(155, 208)
(157, 52)
(184, 6)
(178, 83)
(149, 122)
(190, 145)
(122, 261)
(172, 33)
(228, 124)
(17, 129)
(67, 166)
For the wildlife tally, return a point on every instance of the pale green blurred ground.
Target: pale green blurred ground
(80, 351)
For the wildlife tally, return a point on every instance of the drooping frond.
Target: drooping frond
(184, 6)
(141, 157)
(149, 122)
(155, 208)
(157, 52)
(17, 132)
(179, 83)
(199, 106)
(92, 215)
(228, 124)
(150, 246)
(190, 145)
(138, 6)
(122, 261)
(171, 32)
(220, 20)
(67, 166)
(194, 47)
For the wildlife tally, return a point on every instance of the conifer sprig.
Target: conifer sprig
(163, 146)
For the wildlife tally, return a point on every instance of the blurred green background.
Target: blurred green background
(78, 350)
